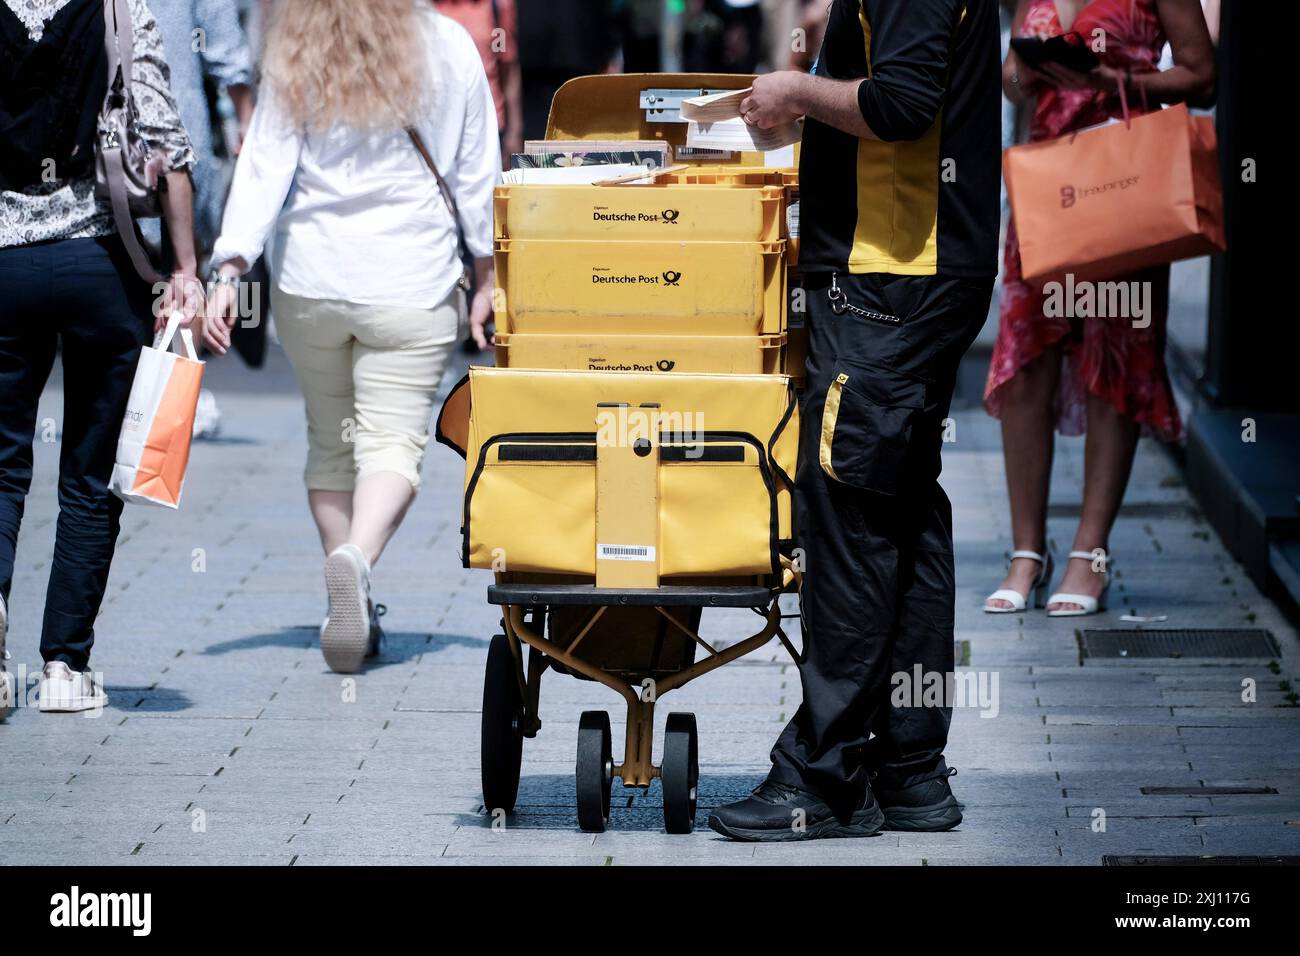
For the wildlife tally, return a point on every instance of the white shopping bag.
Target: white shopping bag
(154, 446)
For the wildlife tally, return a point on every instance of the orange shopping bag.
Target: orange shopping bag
(1115, 199)
(154, 445)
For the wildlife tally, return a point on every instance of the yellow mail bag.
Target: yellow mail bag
(723, 448)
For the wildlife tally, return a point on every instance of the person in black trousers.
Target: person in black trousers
(899, 191)
(66, 281)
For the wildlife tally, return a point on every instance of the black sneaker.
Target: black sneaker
(777, 813)
(920, 802)
(376, 632)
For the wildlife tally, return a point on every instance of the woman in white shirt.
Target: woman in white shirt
(365, 258)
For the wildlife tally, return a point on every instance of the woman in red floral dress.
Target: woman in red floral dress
(1099, 375)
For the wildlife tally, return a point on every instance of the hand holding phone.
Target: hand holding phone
(1069, 50)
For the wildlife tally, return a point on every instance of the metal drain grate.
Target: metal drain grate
(1200, 861)
(1206, 791)
(1119, 642)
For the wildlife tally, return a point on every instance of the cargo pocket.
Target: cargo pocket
(868, 426)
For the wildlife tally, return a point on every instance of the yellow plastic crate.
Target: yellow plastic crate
(641, 288)
(733, 176)
(732, 354)
(640, 212)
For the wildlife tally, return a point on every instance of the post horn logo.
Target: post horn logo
(665, 365)
(670, 216)
(672, 278)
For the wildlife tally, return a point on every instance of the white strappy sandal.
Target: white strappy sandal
(1087, 605)
(1038, 589)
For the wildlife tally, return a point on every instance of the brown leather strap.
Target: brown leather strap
(144, 267)
(462, 246)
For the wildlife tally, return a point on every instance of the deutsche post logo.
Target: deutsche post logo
(665, 365)
(670, 216)
(672, 278)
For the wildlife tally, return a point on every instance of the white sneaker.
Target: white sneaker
(8, 686)
(345, 635)
(207, 417)
(65, 691)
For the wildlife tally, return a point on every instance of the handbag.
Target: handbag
(1119, 198)
(127, 173)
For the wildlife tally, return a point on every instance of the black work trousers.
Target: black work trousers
(873, 525)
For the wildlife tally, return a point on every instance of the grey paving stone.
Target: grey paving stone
(223, 705)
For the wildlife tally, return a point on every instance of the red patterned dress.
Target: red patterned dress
(1105, 357)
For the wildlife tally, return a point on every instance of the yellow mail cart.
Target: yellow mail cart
(629, 459)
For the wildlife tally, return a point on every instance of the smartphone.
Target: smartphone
(1068, 49)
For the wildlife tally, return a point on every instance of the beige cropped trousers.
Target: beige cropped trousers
(368, 374)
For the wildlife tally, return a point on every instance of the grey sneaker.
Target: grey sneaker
(345, 635)
(65, 691)
(8, 686)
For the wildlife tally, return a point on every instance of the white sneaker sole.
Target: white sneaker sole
(61, 700)
(8, 693)
(8, 683)
(346, 635)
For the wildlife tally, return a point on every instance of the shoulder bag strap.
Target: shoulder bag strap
(447, 197)
(123, 54)
(116, 16)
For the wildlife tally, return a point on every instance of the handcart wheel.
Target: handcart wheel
(502, 743)
(595, 771)
(680, 773)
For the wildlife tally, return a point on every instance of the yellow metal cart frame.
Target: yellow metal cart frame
(565, 621)
(511, 715)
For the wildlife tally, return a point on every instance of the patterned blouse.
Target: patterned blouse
(68, 209)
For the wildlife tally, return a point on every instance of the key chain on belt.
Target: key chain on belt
(840, 304)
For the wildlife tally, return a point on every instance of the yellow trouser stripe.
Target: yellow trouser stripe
(831, 415)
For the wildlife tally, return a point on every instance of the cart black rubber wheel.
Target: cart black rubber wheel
(594, 771)
(501, 746)
(680, 773)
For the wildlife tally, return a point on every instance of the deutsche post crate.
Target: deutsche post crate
(637, 213)
(732, 354)
(641, 288)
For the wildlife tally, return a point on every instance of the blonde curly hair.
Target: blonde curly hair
(361, 63)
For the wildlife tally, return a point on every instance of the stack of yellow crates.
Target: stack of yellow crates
(668, 277)
(679, 288)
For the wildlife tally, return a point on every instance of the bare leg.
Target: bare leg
(378, 506)
(332, 511)
(1027, 443)
(1107, 462)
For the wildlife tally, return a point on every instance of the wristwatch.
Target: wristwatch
(215, 279)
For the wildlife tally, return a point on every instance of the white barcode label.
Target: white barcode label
(700, 152)
(624, 552)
